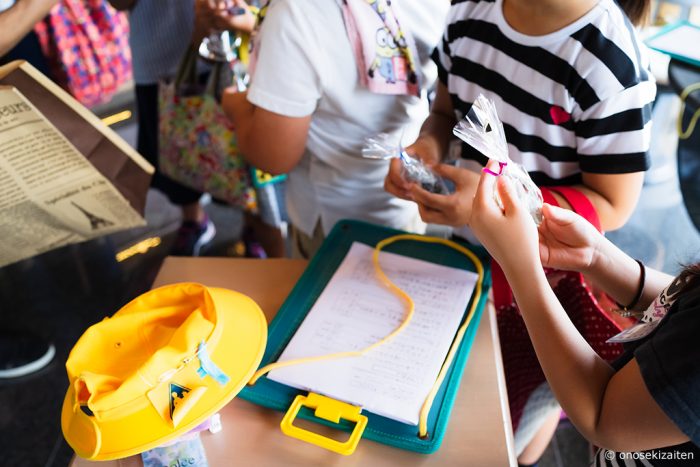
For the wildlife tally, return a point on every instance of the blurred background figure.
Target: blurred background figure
(161, 32)
(263, 232)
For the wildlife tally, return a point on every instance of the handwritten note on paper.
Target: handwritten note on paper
(355, 310)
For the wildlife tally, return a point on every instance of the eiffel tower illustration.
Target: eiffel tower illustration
(95, 221)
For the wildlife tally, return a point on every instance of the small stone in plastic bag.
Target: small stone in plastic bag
(415, 171)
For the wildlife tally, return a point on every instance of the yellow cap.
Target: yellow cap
(158, 368)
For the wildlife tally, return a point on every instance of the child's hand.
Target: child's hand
(509, 234)
(232, 15)
(236, 16)
(453, 209)
(567, 240)
(394, 182)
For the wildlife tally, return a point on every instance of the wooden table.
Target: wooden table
(478, 434)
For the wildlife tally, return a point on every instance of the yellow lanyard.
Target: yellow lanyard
(693, 120)
(427, 404)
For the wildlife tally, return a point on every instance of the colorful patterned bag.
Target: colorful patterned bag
(197, 143)
(87, 45)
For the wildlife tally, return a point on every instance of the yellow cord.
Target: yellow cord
(691, 126)
(427, 404)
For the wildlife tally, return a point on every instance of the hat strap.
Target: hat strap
(97, 444)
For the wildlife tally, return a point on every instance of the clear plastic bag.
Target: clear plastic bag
(482, 129)
(413, 169)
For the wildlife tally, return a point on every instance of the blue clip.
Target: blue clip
(207, 367)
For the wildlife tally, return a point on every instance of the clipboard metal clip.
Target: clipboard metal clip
(327, 409)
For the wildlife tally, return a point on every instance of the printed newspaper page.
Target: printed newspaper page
(50, 194)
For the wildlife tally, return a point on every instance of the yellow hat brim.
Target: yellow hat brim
(238, 354)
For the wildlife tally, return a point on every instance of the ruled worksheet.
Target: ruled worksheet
(355, 310)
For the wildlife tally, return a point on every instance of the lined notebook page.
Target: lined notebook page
(355, 310)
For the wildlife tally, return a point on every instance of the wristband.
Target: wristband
(625, 310)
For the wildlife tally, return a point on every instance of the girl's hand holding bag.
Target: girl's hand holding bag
(482, 129)
(522, 369)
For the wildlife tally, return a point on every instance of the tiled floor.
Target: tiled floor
(59, 294)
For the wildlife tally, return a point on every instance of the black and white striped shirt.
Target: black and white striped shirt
(575, 100)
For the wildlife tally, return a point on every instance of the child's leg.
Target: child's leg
(534, 450)
(193, 212)
(535, 427)
(270, 238)
(266, 226)
(305, 246)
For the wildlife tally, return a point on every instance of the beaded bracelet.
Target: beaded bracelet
(627, 310)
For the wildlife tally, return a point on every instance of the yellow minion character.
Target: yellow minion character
(384, 57)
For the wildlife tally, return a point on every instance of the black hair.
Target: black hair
(636, 10)
(690, 278)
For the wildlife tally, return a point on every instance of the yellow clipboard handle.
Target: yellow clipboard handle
(327, 409)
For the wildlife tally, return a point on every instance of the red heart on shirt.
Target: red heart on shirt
(559, 115)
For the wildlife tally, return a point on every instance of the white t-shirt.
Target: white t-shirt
(306, 66)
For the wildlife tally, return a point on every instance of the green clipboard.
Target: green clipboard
(677, 40)
(280, 397)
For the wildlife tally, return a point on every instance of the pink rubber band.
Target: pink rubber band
(500, 169)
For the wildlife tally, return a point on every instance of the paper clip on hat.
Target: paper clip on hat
(158, 368)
